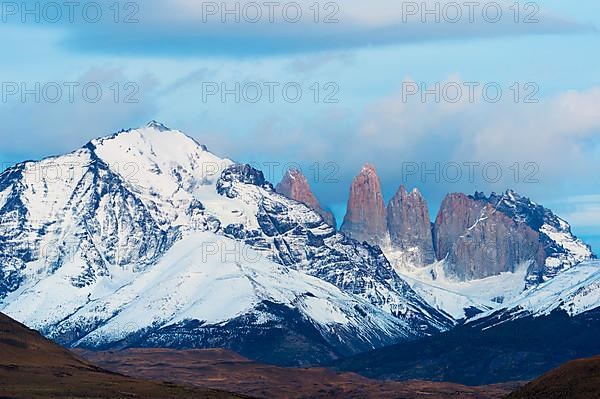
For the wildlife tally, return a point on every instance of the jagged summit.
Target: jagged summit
(293, 173)
(365, 218)
(409, 226)
(149, 239)
(476, 238)
(509, 195)
(295, 185)
(403, 191)
(369, 168)
(402, 229)
(161, 127)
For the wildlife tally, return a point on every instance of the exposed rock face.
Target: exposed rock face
(294, 185)
(562, 249)
(478, 236)
(480, 241)
(404, 227)
(409, 226)
(493, 245)
(365, 218)
(457, 213)
(484, 236)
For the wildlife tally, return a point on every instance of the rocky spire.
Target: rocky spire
(365, 218)
(410, 226)
(294, 185)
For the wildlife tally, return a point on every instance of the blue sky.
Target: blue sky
(367, 58)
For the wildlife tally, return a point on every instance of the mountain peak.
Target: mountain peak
(402, 191)
(161, 127)
(365, 218)
(294, 173)
(368, 169)
(294, 185)
(151, 138)
(409, 226)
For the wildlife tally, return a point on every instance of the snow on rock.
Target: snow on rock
(294, 185)
(576, 290)
(112, 244)
(461, 299)
(571, 251)
(490, 251)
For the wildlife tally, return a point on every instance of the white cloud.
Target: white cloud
(552, 142)
(582, 211)
(554, 133)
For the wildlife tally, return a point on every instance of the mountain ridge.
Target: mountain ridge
(475, 239)
(124, 241)
(190, 250)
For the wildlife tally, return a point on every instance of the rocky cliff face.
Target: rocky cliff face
(501, 244)
(294, 185)
(477, 236)
(403, 229)
(409, 226)
(493, 245)
(562, 249)
(457, 213)
(483, 236)
(365, 218)
(479, 241)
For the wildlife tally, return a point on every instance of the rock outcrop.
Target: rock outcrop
(478, 241)
(409, 226)
(402, 229)
(365, 218)
(295, 186)
(493, 245)
(483, 236)
(457, 213)
(476, 235)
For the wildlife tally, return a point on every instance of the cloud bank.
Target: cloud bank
(188, 28)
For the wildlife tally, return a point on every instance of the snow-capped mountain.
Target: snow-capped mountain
(491, 250)
(574, 291)
(547, 325)
(114, 244)
(197, 297)
(294, 185)
(561, 248)
(480, 252)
